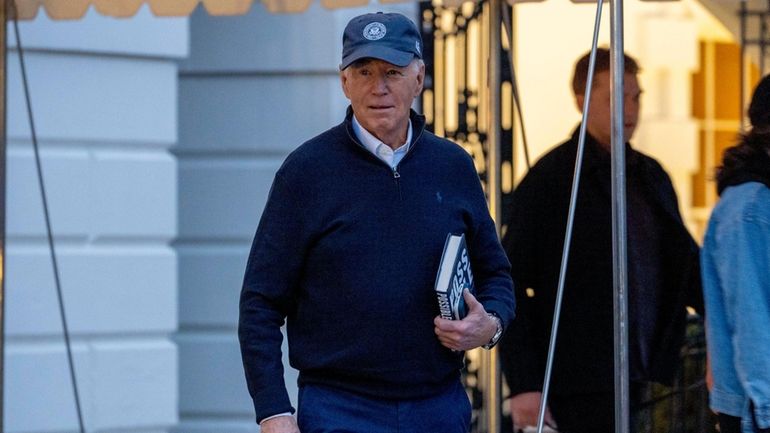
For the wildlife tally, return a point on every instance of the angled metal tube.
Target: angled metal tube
(3, 198)
(570, 220)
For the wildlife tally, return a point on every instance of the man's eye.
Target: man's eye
(394, 72)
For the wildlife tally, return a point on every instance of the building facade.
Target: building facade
(160, 138)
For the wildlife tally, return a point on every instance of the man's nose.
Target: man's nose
(380, 84)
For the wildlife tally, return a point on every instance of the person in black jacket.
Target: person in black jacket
(347, 251)
(663, 271)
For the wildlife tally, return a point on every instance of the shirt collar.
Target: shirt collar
(372, 143)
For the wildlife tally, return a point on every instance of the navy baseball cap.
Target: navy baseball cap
(391, 37)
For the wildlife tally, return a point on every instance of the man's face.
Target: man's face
(599, 124)
(381, 95)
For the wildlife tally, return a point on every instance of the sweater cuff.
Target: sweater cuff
(500, 310)
(270, 404)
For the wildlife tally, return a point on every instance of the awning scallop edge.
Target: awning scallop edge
(75, 9)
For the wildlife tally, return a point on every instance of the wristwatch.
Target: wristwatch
(498, 333)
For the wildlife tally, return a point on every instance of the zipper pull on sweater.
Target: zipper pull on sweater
(396, 175)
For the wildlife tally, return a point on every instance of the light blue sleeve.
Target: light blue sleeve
(745, 271)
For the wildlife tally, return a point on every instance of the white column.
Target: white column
(104, 96)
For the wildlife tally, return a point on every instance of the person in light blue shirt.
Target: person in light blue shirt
(735, 263)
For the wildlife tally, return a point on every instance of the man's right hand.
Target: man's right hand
(525, 408)
(279, 424)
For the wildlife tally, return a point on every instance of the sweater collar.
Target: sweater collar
(373, 144)
(417, 120)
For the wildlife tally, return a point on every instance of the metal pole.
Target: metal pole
(493, 128)
(491, 362)
(619, 252)
(3, 145)
(570, 221)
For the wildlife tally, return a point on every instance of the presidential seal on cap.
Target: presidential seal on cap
(391, 37)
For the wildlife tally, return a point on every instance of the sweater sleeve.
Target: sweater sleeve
(491, 270)
(271, 276)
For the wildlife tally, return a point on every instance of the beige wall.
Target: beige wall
(663, 36)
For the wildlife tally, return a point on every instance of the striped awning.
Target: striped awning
(74, 9)
(724, 10)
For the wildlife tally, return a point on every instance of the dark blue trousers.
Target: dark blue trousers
(329, 410)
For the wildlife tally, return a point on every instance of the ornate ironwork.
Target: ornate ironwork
(755, 32)
(455, 100)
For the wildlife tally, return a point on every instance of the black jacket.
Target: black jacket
(533, 241)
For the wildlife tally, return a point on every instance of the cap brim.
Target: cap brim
(390, 55)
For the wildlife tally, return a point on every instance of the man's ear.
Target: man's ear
(420, 80)
(344, 83)
(579, 100)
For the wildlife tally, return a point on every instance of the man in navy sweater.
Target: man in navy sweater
(347, 252)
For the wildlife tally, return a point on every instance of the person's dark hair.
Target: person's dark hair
(759, 109)
(752, 153)
(580, 76)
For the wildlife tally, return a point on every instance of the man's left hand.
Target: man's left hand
(475, 330)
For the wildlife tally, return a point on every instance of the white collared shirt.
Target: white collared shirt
(380, 149)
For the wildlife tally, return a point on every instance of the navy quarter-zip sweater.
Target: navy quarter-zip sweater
(347, 251)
